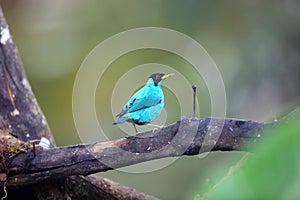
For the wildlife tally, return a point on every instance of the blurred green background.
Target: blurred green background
(271, 171)
(255, 44)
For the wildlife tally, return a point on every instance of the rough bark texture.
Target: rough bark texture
(89, 187)
(189, 136)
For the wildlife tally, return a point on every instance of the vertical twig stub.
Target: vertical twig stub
(194, 87)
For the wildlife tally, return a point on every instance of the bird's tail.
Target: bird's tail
(121, 120)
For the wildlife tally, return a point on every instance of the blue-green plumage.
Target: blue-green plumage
(146, 104)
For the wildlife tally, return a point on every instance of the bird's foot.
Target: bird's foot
(156, 127)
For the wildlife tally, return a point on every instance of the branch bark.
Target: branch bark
(90, 187)
(189, 136)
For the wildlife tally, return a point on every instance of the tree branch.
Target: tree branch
(90, 187)
(189, 136)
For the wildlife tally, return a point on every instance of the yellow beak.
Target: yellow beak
(167, 76)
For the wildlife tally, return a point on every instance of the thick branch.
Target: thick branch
(189, 136)
(90, 187)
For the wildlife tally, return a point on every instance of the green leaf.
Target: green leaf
(271, 172)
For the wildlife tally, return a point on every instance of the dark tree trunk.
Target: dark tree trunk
(21, 121)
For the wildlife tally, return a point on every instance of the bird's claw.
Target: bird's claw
(156, 129)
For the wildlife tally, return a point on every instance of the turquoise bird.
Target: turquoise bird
(146, 104)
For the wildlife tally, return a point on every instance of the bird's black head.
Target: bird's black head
(157, 77)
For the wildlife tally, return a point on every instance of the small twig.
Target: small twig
(194, 87)
(5, 191)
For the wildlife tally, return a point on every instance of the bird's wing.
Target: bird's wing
(139, 101)
(142, 103)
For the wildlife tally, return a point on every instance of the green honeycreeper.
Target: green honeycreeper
(146, 104)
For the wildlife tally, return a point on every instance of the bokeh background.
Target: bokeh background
(255, 44)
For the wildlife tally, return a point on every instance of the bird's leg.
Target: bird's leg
(134, 127)
(155, 127)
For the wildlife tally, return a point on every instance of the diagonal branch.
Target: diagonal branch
(90, 187)
(189, 136)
